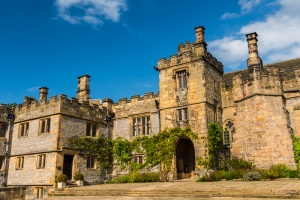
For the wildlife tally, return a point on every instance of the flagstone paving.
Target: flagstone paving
(223, 190)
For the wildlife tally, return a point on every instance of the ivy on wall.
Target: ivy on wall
(214, 147)
(158, 150)
(296, 142)
(99, 146)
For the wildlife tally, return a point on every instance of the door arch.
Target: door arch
(185, 158)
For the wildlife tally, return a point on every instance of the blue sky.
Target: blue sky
(117, 42)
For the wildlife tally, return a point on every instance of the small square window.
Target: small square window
(23, 129)
(39, 192)
(138, 159)
(91, 129)
(41, 161)
(182, 114)
(19, 162)
(90, 162)
(45, 125)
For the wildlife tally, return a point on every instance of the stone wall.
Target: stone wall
(30, 174)
(35, 142)
(12, 193)
(126, 110)
(261, 132)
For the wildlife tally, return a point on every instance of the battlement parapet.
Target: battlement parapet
(187, 53)
(135, 98)
(58, 105)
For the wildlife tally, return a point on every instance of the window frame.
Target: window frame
(91, 129)
(91, 162)
(23, 129)
(182, 114)
(141, 125)
(39, 192)
(182, 79)
(3, 128)
(138, 159)
(41, 161)
(2, 163)
(19, 162)
(45, 125)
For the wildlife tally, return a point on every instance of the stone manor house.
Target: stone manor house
(258, 108)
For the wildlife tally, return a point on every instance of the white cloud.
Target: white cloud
(230, 16)
(90, 11)
(34, 88)
(246, 7)
(278, 35)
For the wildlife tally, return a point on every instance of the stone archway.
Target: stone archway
(185, 158)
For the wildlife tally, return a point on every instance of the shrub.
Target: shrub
(62, 178)
(218, 175)
(137, 177)
(252, 176)
(78, 176)
(294, 174)
(281, 169)
(229, 175)
(239, 163)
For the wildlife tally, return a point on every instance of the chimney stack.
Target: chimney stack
(83, 92)
(254, 61)
(199, 31)
(43, 93)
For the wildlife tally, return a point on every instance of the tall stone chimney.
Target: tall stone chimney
(254, 61)
(200, 44)
(83, 92)
(199, 31)
(43, 93)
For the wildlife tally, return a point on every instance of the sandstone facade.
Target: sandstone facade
(258, 108)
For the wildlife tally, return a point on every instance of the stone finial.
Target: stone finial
(43, 93)
(83, 92)
(254, 59)
(199, 31)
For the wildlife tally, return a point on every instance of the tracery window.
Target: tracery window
(182, 79)
(229, 131)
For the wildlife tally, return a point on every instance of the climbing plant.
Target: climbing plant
(159, 150)
(296, 142)
(99, 146)
(214, 147)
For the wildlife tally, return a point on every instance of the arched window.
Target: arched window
(229, 131)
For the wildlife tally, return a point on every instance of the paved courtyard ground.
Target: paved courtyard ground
(186, 189)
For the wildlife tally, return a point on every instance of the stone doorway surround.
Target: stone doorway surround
(68, 166)
(185, 158)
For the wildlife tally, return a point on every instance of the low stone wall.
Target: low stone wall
(12, 193)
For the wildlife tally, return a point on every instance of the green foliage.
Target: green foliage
(296, 142)
(214, 147)
(78, 176)
(229, 175)
(99, 146)
(11, 105)
(239, 163)
(137, 177)
(62, 178)
(294, 174)
(158, 150)
(252, 176)
(275, 172)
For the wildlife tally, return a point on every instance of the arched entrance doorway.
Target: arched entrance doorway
(185, 158)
